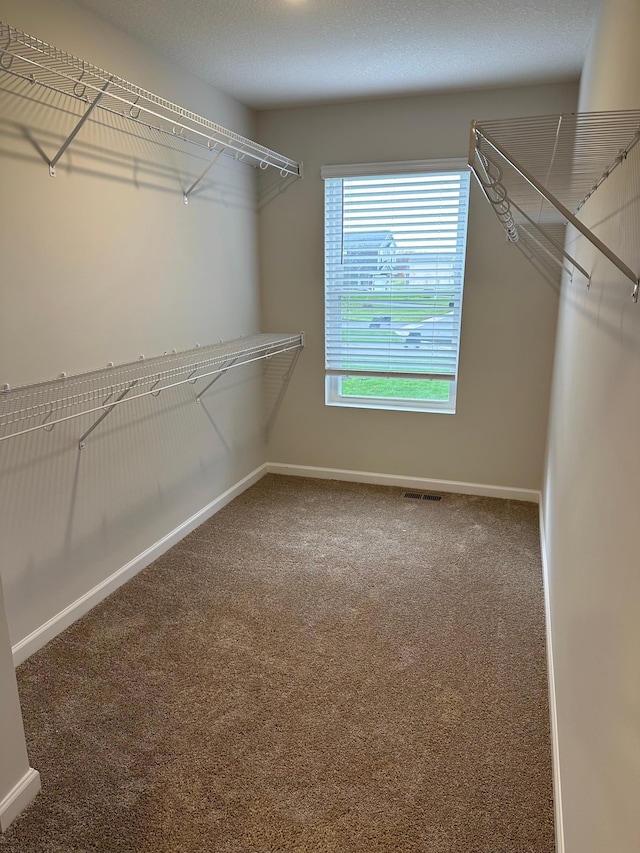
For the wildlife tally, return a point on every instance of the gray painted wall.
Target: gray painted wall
(591, 489)
(104, 263)
(509, 313)
(14, 763)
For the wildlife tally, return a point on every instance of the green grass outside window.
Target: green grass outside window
(388, 388)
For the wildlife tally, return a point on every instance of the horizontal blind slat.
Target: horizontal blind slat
(394, 267)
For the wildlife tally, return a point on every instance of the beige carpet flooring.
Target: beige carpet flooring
(320, 668)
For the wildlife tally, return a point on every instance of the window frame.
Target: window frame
(333, 379)
(334, 397)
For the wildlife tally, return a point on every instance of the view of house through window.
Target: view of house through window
(395, 237)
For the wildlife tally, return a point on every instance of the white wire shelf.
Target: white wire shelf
(41, 64)
(539, 171)
(41, 406)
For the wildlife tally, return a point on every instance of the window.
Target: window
(395, 236)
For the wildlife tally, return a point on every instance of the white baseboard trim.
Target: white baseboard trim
(553, 710)
(42, 635)
(19, 798)
(404, 482)
(46, 632)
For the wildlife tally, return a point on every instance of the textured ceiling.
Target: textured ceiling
(278, 52)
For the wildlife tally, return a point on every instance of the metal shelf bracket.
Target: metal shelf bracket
(78, 127)
(106, 413)
(202, 176)
(222, 372)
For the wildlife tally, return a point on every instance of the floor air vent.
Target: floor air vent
(420, 497)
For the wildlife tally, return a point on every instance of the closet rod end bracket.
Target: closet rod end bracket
(52, 170)
(636, 289)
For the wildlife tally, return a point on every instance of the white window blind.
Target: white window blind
(394, 268)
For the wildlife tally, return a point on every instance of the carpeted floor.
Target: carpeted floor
(320, 668)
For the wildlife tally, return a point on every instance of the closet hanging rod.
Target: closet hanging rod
(33, 60)
(503, 205)
(67, 398)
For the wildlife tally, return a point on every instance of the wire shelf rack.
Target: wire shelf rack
(539, 171)
(42, 405)
(44, 65)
